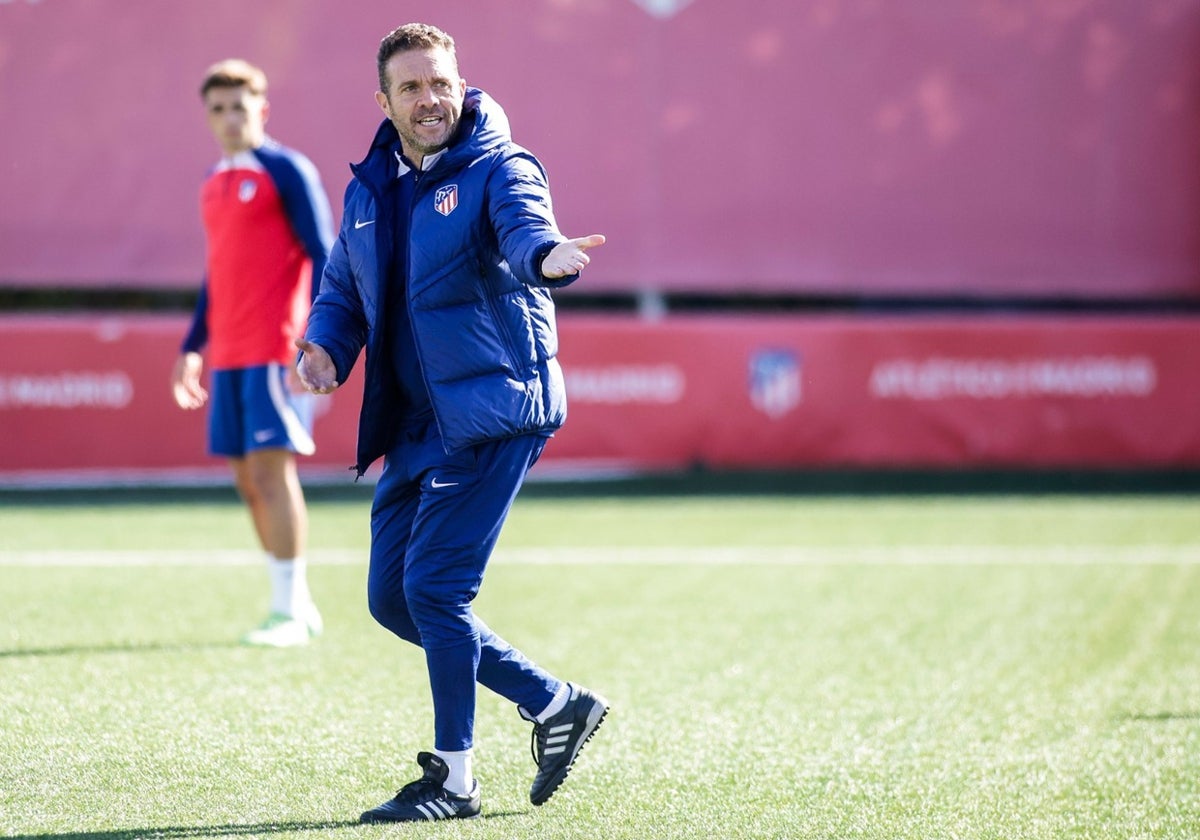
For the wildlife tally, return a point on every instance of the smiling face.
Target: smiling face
(423, 99)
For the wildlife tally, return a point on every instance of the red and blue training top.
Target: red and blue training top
(269, 229)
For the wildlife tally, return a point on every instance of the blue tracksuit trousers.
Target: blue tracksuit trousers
(434, 523)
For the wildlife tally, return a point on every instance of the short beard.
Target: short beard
(424, 147)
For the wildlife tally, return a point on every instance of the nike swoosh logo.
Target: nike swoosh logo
(359, 225)
(263, 435)
(435, 484)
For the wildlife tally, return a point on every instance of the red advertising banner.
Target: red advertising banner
(86, 399)
(795, 392)
(1040, 148)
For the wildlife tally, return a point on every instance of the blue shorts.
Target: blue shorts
(252, 408)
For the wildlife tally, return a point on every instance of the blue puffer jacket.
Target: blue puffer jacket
(482, 316)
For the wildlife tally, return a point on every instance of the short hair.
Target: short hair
(232, 73)
(411, 36)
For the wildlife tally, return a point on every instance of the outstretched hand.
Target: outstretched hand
(567, 258)
(316, 369)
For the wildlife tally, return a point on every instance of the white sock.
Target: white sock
(289, 585)
(557, 703)
(462, 778)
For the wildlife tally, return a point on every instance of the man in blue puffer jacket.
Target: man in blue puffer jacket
(442, 272)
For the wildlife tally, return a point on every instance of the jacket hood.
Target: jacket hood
(482, 127)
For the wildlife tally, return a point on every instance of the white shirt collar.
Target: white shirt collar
(402, 168)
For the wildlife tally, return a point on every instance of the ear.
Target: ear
(384, 105)
(266, 111)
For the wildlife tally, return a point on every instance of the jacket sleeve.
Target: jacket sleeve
(522, 216)
(337, 321)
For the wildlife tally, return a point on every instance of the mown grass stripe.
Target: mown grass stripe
(966, 555)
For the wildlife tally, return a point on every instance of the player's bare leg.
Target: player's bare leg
(268, 482)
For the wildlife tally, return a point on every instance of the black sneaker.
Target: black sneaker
(426, 799)
(556, 742)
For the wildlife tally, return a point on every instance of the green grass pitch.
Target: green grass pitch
(779, 667)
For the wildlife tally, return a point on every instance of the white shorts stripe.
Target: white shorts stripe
(297, 434)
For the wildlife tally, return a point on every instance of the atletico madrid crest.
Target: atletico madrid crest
(775, 381)
(446, 199)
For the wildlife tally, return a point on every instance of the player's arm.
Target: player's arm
(185, 376)
(185, 381)
(197, 334)
(307, 207)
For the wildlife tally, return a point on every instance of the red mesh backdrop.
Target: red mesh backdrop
(981, 147)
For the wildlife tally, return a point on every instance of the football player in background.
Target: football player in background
(268, 230)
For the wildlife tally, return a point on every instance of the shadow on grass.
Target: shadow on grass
(211, 830)
(126, 647)
(189, 831)
(1157, 717)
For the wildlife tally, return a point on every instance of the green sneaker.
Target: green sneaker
(281, 631)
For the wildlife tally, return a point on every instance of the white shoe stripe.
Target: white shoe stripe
(564, 727)
(436, 809)
(555, 750)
